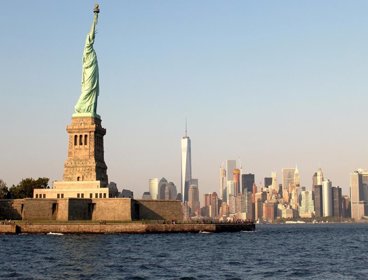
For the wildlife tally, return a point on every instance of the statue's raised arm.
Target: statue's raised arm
(87, 103)
(96, 11)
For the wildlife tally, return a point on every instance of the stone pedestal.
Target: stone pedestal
(85, 173)
(73, 189)
(85, 160)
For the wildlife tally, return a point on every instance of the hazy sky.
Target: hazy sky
(271, 83)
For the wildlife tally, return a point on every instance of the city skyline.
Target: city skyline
(253, 86)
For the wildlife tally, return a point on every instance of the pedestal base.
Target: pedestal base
(73, 189)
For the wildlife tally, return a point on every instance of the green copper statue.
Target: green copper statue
(87, 103)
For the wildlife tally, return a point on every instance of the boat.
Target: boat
(54, 233)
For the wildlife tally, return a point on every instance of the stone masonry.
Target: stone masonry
(85, 160)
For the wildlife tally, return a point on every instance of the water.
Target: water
(328, 251)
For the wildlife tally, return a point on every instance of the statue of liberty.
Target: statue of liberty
(87, 103)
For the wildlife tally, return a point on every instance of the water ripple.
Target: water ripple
(272, 252)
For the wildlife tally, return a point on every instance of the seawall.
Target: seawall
(80, 228)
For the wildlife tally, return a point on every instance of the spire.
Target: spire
(186, 127)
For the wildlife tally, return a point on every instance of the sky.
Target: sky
(272, 84)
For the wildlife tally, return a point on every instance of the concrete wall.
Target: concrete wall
(157, 210)
(40, 209)
(112, 209)
(109, 209)
(63, 210)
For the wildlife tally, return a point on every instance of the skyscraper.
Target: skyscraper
(236, 180)
(317, 192)
(318, 178)
(230, 166)
(289, 182)
(267, 182)
(186, 165)
(346, 209)
(327, 198)
(248, 182)
(287, 177)
(307, 207)
(336, 202)
(153, 187)
(230, 189)
(156, 186)
(193, 199)
(222, 183)
(211, 205)
(318, 206)
(359, 194)
(275, 185)
(169, 192)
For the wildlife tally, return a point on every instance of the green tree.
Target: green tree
(3, 190)
(25, 187)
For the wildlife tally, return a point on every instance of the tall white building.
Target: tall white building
(230, 190)
(327, 198)
(319, 178)
(155, 187)
(186, 166)
(296, 178)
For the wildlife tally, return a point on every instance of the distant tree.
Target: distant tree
(3, 190)
(25, 187)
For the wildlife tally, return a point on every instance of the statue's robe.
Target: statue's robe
(87, 102)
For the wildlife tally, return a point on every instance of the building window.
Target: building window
(104, 195)
(100, 195)
(96, 195)
(78, 178)
(85, 139)
(36, 195)
(44, 195)
(62, 195)
(75, 140)
(81, 140)
(77, 195)
(82, 195)
(58, 195)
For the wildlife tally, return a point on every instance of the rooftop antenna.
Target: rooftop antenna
(186, 127)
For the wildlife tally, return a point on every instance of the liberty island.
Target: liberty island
(84, 193)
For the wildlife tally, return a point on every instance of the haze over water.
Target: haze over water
(328, 251)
